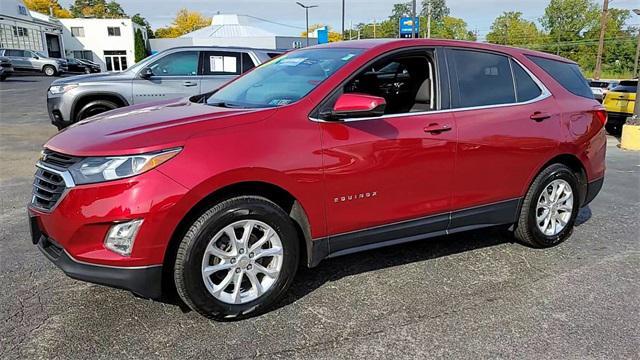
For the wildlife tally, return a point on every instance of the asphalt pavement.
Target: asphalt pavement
(472, 295)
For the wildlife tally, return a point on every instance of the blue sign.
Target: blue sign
(323, 35)
(406, 26)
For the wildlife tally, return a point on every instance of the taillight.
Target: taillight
(601, 115)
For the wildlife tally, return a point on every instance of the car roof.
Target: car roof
(399, 43)
(205, 47)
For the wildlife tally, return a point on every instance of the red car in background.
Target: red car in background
(324, 151)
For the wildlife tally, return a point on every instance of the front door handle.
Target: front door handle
(539, 116)
(189, 83)
(435, 128)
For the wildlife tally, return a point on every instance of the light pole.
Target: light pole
(636, 106)
(306, 10)
(635, 65)
(342, 33)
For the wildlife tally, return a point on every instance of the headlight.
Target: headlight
(99, 169)
(59, 89)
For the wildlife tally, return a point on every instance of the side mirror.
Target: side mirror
(358, 105)
(146, 73)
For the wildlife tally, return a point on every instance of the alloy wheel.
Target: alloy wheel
(554, 208)
(242, 261)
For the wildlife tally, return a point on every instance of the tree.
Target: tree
(100, 9)
(140, 46)
(185, 22)
(43, 6)
(566, 20)
(439, 9)
(333, 36)
(452, 28)
(138, 19)
(511, 29)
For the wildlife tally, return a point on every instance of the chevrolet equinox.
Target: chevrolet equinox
(322, 152)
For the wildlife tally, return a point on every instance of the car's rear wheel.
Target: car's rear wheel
(549, 210)
(49, 70)
(237, 259)
(94, 108)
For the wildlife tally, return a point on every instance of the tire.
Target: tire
(613, 129)
(94, 108)
(191, 259)
(528, 231)
(3, 77)
(49, 70)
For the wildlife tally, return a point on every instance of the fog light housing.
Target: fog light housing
(121, 236)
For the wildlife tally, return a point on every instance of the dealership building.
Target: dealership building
(108, 42)
(23, 29)
(233, 30)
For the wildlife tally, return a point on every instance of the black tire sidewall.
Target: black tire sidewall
(237, 211)
(108, 105)
(564, 174)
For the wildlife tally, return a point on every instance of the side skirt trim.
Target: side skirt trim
(500, 213)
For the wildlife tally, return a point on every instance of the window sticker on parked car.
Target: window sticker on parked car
(291, 61)
(222, 64)
(280, 102)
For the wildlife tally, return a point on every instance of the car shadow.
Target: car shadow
(333, 269)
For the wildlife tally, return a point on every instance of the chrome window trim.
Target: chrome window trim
(545, 93)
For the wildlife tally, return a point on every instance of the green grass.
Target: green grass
(611, 75)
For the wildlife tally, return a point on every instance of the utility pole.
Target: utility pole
(342, 33)
(306, 10)
(603, 26)
(413, 20)
(429, 20)
(635, 66)
(374, 28)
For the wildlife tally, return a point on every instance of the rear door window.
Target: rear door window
(16, 53)
(480, 78)
(221, 63)
(247, 63)
(567, 74)
(526, 88)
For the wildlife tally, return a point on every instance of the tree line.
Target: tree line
(569, 28)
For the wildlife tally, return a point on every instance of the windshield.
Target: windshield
(283, 80)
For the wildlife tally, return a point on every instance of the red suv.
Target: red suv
(322, 152)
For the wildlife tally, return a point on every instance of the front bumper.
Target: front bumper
(59, 108)
(145, 281)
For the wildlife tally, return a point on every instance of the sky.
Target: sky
(478, 14)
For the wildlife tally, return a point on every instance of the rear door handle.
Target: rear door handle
(436, 128)
(539, 116)
(189, 83)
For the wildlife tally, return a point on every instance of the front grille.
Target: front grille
(49, 184)
(48, 187)
(58, 160)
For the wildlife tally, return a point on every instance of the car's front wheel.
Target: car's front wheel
(94, 108)
(550, 208)
(49, 70)
(237, 259)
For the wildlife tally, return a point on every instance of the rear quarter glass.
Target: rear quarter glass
(566, 74)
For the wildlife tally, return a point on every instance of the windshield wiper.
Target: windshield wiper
(225, 105)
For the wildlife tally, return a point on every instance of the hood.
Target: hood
(86, 78)
(148, 127)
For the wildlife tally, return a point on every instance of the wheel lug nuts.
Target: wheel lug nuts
(238, 270)
(233, 261)
(249, 267)
(250, 255)
(241, 251)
